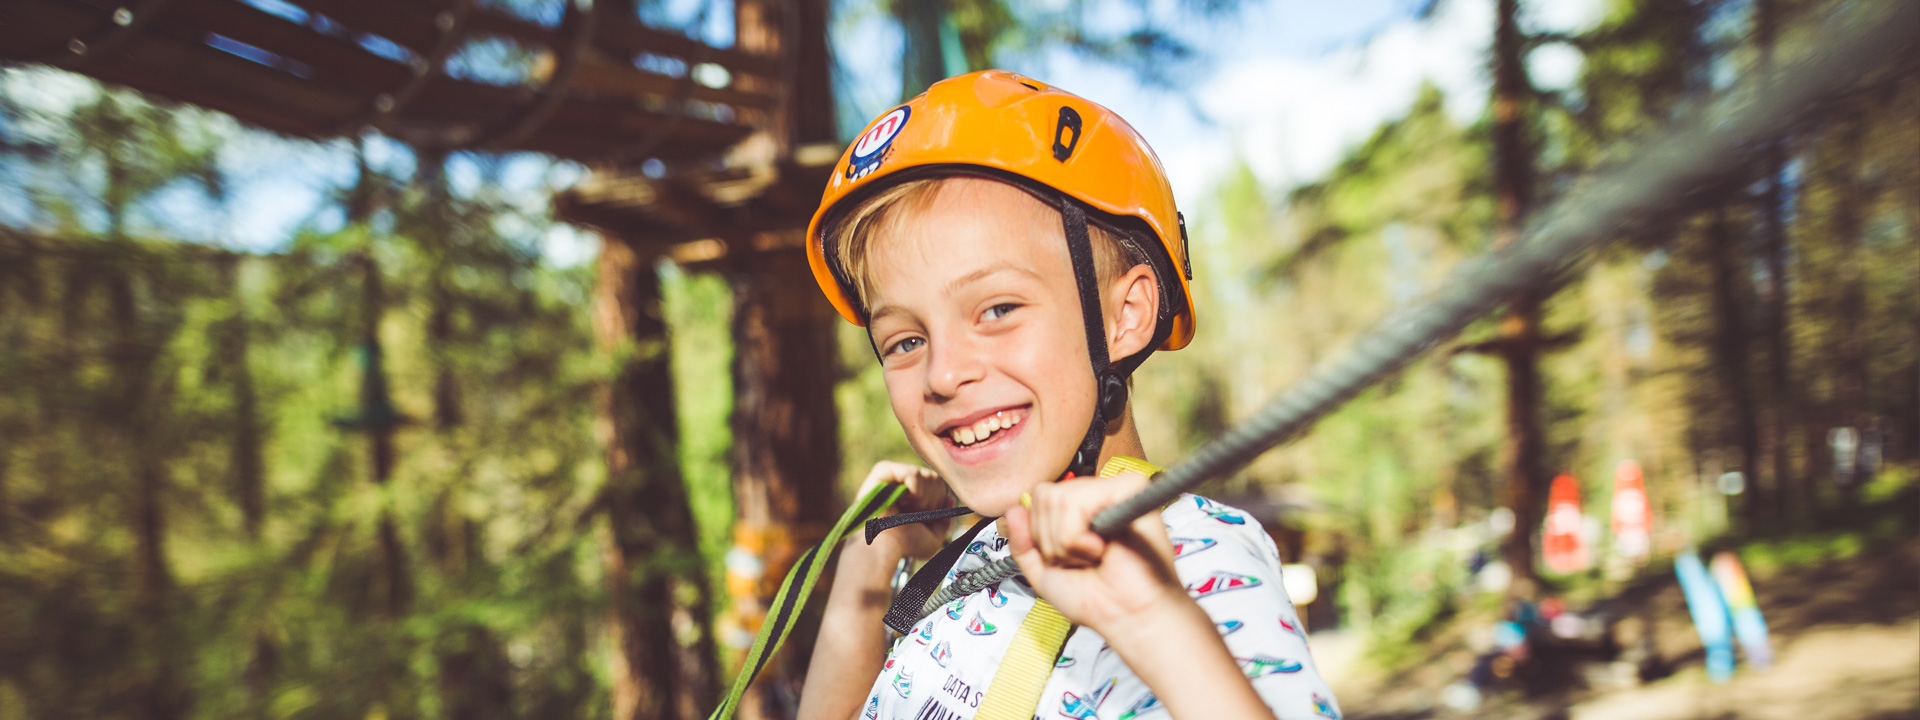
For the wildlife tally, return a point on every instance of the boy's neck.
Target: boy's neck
(1122, 440)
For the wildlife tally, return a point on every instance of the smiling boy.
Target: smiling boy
(1014, 253)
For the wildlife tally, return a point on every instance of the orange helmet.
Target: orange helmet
(1004, 125)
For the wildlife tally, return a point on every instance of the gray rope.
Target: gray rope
(1660, 177)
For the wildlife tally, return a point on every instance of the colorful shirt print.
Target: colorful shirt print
(945, 668)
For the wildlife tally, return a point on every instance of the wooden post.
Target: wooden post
(1847, 223)
(1732, 343)
(1513, 179)
(786, 444)
(1786, 491)
(786, 440)
(655, 578)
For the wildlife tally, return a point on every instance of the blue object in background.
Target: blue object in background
(1709, 612)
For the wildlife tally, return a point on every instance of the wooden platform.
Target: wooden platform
(698, 219)
(600, 90)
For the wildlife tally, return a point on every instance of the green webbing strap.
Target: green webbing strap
(795, 589)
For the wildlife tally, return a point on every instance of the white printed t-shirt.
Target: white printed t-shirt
(945, 667)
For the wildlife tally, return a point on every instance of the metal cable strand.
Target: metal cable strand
(1662, 175)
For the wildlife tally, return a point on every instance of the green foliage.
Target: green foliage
(186, 525)
(699, 310)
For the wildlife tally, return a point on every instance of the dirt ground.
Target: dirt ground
(1837, 673)
(1846, 639)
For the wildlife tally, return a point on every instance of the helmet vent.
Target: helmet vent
(1069, 120)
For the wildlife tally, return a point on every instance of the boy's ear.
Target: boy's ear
(1132, 312)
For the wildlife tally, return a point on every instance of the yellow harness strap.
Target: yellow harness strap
(1015, 690)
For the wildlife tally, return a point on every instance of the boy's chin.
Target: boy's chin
(993, 500)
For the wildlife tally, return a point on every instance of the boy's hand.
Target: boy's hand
(1092, 581)
(925, 491)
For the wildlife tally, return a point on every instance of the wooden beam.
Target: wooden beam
(628, 36)
(413, 26)
(220, 81)
(34, 31)
(603, 75)
(344, 62)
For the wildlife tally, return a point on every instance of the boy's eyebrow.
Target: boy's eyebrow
(880, 311)
(988, 271)
(884, 309)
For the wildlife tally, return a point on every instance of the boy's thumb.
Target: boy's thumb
(1019, 529)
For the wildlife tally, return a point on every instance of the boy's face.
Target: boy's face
(977, 320)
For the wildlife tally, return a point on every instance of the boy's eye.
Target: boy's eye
(906, 346)
(998, 311)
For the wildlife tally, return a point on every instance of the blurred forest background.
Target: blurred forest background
(364, 473)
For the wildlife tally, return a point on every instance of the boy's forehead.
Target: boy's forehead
(967, 226)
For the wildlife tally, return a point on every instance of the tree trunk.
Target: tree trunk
(656, 580)
(161, 695)
(379, 419)
(1730, 352)
(796, 32)
(249, 464)
(786, 444)
(1913, 236)
(436, 208)
(1786, 490)
(1513, 178)
(922, 61)
(1850, 398)
(249, 469)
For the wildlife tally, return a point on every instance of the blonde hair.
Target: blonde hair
(850, 237)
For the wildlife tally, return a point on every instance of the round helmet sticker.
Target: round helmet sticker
(871, 148)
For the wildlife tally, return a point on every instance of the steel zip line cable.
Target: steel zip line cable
(1661, 175)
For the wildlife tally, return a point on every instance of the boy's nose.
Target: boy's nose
(952, 364)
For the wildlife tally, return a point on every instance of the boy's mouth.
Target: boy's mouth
(982, 430)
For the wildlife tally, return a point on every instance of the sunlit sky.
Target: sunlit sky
(1288, 87)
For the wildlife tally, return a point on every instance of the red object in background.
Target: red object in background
(1632, 513)
(1566, 551)
(1551, 608)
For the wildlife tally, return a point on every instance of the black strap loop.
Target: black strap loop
(904, 612)
(882, 524)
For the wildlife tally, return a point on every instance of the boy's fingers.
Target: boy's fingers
(1084, 550)
(1059, 526)
(1020, 542)
(1040, 516)
(1019, 530)
(886, 471)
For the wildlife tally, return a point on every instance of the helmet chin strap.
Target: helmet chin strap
(1109, 383)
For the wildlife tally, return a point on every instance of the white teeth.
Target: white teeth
(980, 431)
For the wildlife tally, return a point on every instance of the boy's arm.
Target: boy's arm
(1180, 656)
(852, 643)
(1128, 591)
